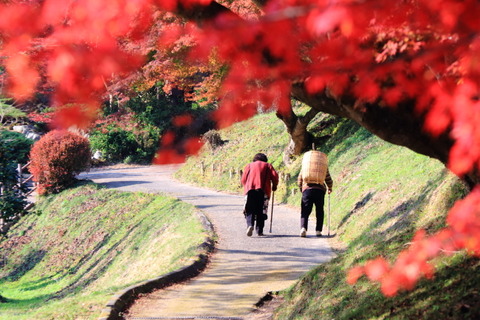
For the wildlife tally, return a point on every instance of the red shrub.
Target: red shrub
(57, 158)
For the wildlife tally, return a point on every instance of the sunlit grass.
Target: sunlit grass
(86, 245)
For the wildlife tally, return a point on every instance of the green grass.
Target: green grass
(86, 245)
(382, 194)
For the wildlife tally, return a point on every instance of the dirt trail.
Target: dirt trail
(242, 270)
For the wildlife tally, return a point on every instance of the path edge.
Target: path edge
(125, 298)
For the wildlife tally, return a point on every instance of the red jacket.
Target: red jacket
(259, 175)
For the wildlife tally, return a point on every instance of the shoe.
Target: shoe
(249, 231)
(260, 234)
(303, 233)
(319, 233)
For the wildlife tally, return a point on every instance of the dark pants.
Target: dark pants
(254, 209)
(309, 198)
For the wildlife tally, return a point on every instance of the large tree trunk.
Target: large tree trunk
(300, 138)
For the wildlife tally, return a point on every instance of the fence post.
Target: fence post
(19, 171)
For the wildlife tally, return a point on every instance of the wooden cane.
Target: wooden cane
(329, 213)
(271, 212)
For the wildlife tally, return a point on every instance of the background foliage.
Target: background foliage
(7, 111)
(132, 132)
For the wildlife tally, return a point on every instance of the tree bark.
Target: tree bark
(201, 13)
(300, 138)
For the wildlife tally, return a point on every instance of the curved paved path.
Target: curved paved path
(242, 270)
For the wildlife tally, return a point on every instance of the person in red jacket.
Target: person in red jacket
(259, 179)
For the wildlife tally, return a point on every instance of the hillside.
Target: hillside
(382, 194)
(86, 244)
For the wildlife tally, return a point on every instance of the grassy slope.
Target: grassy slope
(382, 194)
(87, 244)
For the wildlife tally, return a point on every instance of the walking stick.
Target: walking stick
(271, 212)
(329, 213)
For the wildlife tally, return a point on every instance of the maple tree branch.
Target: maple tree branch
(260, 3)
(201, 13)
(289, 119)
(309, 116)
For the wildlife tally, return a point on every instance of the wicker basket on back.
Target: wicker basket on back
(314, 167)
